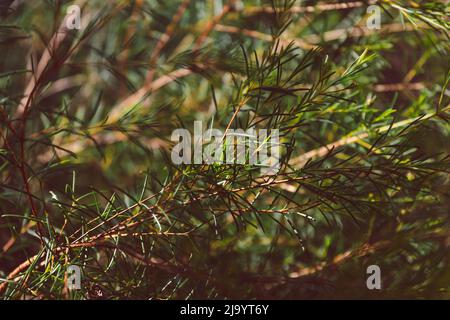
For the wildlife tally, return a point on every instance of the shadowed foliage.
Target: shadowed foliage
(86, 176)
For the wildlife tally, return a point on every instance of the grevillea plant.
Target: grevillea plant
(93, 206)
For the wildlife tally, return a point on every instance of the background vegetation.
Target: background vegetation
(85, 171)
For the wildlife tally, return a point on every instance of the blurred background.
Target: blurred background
(86, 175)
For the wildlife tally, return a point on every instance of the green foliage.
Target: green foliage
(87, 179)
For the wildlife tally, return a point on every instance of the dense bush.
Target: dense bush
(86, 171)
